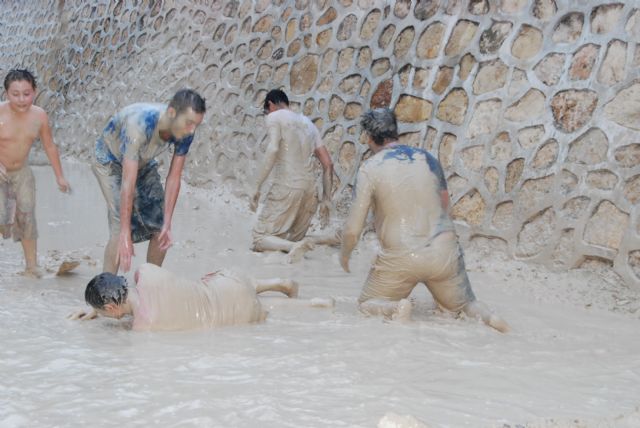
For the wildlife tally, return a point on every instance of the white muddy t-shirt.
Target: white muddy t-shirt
(167, 302)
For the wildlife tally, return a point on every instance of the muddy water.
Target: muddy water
(304, 366)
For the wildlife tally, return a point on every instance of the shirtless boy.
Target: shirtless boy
(292, 199)
(417, 238)
(139, 209)
(163, 301)
(21, 123)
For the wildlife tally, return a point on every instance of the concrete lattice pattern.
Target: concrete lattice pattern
(533, 107)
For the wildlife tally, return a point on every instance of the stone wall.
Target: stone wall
(533, 107)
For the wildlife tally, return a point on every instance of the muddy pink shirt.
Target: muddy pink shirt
(167, 302)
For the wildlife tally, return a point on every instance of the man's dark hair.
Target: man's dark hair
(276, 96)
(17, 75)
(380, 124)
(187, 98)
(106, 288)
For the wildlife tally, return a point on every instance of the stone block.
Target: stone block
(364, 57)
(446, 150)
(346, 27)
(574, 208)
(443, 79)
(547, 155)
(569, 28)
(530, 136)
(380, 66)
(470, 208)
(528, 42)
(492, 75)
(624, 108)
(485, 118)
(420, 78)
(472, 157)
(492, 179)
(453, 107)
(467, 62)
(503, 216)
(535, 190)
(628, 156)
(544, 10)
(403, 42)
(401, 8)
(530, 106)
(549, 69)
(304, 73)
(568, 181)
(563, 253)
(350, 84)
(478, 7)
(514, 172)
(430, 41)
(613, 67)
(589, 148)
(345, 59)
(607, 226)
(336, 107)
(413, 109)
(500, 147)
(602, 179)
(512, 6)
(605, 18)
(461, 36)
(425, 9)
(536, 233)
(386, 36)
(633, 25)
(382, 95)
(327, 17)
(583, 62)
(352, 111)
(631, 189)
(493, 37)
(572, 109)
(370, 24)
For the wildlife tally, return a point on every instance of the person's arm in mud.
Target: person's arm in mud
(270, 156)
(356, 219)
(171, 192)
(324, 157)
(52, 151)
(83, 314)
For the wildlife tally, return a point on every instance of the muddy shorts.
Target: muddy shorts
(439, 265)
(286, 213)
(18, 204)
(148, 200)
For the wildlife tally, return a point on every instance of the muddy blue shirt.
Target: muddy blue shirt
(132, 133)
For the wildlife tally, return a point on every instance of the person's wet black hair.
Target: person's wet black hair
(380, 124)
(17, 75)
(106, 288)
(275, 96)
(188, 98)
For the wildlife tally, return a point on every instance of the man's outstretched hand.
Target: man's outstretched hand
(83, 315)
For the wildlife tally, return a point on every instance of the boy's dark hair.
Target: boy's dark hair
(106, 288)
(380, 124)
(19, 74)
(187, 98)
(276, 96)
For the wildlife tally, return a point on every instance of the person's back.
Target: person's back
(168, 302)
(294, 163)
(406, 195)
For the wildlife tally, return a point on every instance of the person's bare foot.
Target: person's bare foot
(403, 311)
(34, 272)
(298, 251)
(291, 288)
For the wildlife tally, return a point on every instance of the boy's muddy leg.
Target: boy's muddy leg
(154, 254)
(284, 286)
(399, 310)
(30, 248)
(481, 311)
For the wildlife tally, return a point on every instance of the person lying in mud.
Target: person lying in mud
(417, 236)
(292, 200)
(163, 301)
(21, 124)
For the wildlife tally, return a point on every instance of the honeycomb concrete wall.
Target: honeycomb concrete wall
(533, 107)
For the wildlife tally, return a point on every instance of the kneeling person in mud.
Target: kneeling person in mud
(417, 237)
(163, 301)
(292, 200)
